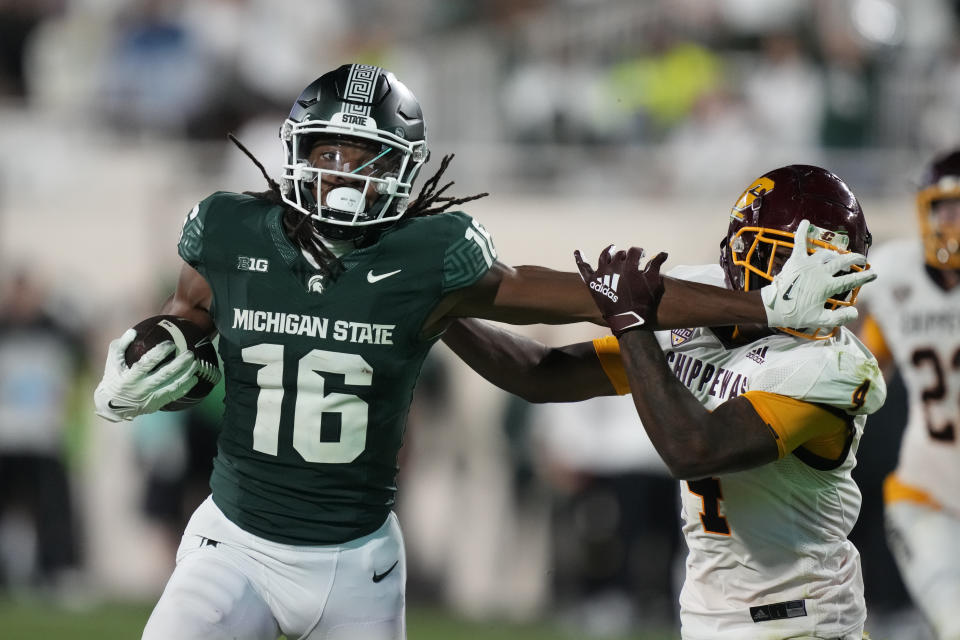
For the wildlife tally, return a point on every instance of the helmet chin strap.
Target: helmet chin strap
(337, 246)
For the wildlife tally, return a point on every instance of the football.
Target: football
(185, 335)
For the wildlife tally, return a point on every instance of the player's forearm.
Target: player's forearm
(178, 307)
(526, 367)
(192, 299)
(669, 414)
(692, 441)
(693, 304)
(501, 357)
(532, 294)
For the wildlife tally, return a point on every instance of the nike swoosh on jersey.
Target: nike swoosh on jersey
(377, 577)
(377, 278)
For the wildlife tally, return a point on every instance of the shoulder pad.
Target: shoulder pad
(840, 373)
(470, 253)
(199, 219)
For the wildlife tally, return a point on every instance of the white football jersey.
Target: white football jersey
(768, 550)
(921, 326)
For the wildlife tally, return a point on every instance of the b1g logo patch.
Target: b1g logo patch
(246, 263)
(679, 336)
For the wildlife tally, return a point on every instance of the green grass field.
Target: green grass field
(125, 622)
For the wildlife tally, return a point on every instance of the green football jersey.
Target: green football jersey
(319, 375)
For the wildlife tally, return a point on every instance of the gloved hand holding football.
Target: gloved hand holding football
(164, 362)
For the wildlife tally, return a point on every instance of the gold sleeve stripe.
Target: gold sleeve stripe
(796, 423)
(895, 490)
(608, 352)
(872, 337)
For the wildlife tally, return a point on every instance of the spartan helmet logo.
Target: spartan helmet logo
(315, 284)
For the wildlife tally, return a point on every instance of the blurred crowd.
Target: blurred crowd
(729, 79)
(665, 97)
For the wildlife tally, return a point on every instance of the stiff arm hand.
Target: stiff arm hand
(798, 293)
(626, 295)
(127, 392)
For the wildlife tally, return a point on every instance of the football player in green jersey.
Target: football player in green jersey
(327, 291)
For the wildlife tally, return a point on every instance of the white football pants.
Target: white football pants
(231, 584)
(923, 540)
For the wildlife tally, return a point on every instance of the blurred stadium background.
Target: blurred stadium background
(588, 121)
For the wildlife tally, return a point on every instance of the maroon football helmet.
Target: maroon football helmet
(940, 232)
(764, 218)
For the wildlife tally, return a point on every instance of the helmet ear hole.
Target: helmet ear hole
(388, 187)
(301, 172)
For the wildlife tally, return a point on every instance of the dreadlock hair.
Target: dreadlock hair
(299, 228)
(295, 224)
(431, 200)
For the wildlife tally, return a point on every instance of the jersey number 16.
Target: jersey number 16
(311, 403)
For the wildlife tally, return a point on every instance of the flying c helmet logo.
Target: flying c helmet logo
(833, 239)
(747, 199)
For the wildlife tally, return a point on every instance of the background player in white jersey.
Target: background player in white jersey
(762, 425)
(322, 343)
(913, 323)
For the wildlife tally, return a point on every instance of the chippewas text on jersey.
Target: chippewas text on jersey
(296, 324)
(698, 375)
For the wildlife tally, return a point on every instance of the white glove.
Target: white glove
(797, 295)
(127, 392)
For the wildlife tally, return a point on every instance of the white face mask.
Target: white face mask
(354, 175)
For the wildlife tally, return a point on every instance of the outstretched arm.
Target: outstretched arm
(526, 367)
(693, 304)
(693, 442)
(795, 298)
(531, 294)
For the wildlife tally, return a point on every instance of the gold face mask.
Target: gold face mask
(938, 214)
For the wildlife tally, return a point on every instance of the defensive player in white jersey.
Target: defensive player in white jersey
(761, 425)
(913, 322)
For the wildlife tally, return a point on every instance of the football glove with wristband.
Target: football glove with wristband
(127, 392)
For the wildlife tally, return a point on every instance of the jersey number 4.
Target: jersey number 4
(311, 403)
